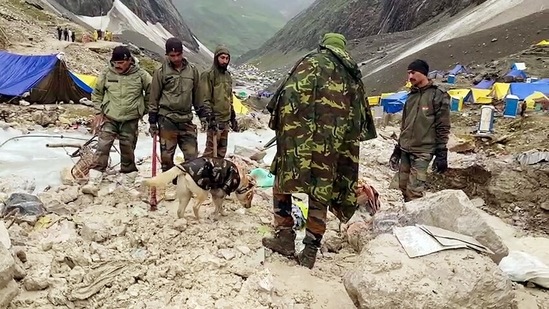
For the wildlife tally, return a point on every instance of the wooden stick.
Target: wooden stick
(63, 145)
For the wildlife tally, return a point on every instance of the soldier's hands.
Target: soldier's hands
(97, 123)
(234, 125)
(153, 129)
(440, 164)
(395, 158)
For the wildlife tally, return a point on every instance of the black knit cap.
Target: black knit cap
(120, 53)
(420, 66)
(174, 45)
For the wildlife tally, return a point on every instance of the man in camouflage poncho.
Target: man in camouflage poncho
(320, 116)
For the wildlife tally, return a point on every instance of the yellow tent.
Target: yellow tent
(374, 100)
(530, 100)
(543, 43)
(89, 80)
(459, 93)
(481, 96)
(500, 90)
(239, 108)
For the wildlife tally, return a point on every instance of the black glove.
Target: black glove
(440, 164)
(234, 125)
(153, 129)
(395, 158)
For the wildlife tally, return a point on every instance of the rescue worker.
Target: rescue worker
(320, 117)
(217, 92)
(59, 32)
(174, 92)
(121, 97)
(424, 132)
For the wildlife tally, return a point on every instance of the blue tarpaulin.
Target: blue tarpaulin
(80, 83)
(542, 81)
(485, 84)
(20, 73)
(394, 103)
(523, 90)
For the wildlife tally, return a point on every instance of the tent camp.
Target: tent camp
(87, 83)
(394, 103)
(458, 69)
(523, 90)
(45, 77)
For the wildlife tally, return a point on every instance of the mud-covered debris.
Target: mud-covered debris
(24, 204)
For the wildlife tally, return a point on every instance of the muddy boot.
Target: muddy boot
(283, 242)
(128, 179)
(307, 257)
(94, 180)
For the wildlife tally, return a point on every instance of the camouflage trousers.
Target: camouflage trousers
(412, 174)
(127, 133)
(174, 134)
(222, 142)
(316, 218)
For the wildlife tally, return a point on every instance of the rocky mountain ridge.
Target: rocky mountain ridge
(355, 19)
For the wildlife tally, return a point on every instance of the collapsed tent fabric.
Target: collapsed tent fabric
(45, 77)
(543, 43)
(88, 80)
(80, 83)
(459, 93)
(531, 99)
(523, 90)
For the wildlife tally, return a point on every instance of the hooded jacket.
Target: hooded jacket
(216, 87)
(122, 97)
(174, 93)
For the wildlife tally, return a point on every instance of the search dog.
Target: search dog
(217, 176)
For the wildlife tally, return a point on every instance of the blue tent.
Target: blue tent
(485, 84)
(45, 77)
(523, 90)
(458, 69)
(516, 74)
(394, 103)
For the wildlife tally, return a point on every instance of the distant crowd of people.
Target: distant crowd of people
(65, 34)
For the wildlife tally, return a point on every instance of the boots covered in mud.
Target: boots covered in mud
(307, 257)
(94, 180)
(283, 242)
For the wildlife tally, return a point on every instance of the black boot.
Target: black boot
(283, 242)
(307, 257)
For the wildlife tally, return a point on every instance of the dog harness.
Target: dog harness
(213, 173)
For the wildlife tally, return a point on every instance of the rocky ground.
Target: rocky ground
(110, 251)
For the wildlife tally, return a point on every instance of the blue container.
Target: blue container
(511, 106)
(455, 105)
(451, 79)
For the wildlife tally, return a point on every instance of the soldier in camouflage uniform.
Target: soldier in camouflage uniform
(320, 116)
(217, 92)
(424, 132)
(121, 97)
(174, 91)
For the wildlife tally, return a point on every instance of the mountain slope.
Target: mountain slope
(154, 11)
(240, 24)
(355, 19)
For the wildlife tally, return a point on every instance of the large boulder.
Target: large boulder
(452, 210)
(385, 277)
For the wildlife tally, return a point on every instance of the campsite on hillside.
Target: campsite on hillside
(438, 108)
